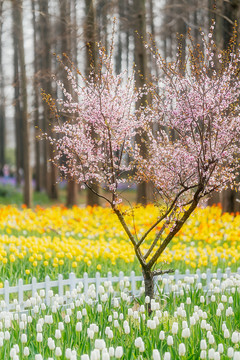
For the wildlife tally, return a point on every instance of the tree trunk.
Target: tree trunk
(17, 114)
(148, 283)
(90, 40)
(38, 173)
(65, 36)
(2, 101)
(140, 56)
(17, 11)
(50, 171)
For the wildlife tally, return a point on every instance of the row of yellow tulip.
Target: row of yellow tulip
(57, 239)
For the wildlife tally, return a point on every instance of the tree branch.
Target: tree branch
(177, 227)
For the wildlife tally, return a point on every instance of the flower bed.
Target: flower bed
(189, 324)
(56, 240)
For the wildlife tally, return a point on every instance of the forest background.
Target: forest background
(33, 32)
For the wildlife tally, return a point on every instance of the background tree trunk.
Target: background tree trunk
(38, 173)
(50, 171)
(65, 36)
(2, 100)
(140, 58)
(27, 193)
(90, 41)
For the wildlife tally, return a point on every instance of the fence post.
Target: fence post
(6, 293)
(98, 282)
(133, 283)
(85, 284)
(20, 292)
(60, 285)
(228, 271)
(198, 272)
(47, 288)
(34, 286)
(219, 274)
(72, 280)
(121, 276)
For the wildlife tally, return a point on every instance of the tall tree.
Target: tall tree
(17, 110)
(230, 13)
(18, 33)
(2, 98)
(65, 39)
(38, 172)
(90, 64)
(50, 171)
(140, 57)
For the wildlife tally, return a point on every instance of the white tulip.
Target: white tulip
(78, 326)
(211, 339)
(26, 351)
(186, 333)
(235, 337)
(119, 352)
(175, 328)
(226, 334)
(162, 335)
(230, 352)
(203, 354)
(170, 340)
(23, 338)
(100, 344)
(13, 353)
(39, 337)
(38, 357)
(58, 351)
(211, 353)
(61, 326)
(203, 344)
(167, 356)
(67, 319)
(220, 348)
(85, 357)
(156, 355)
(111, 351)
(7, 335)
(105, 356)
(95, 355)
(236, 355)
(181, 349)
(147, 300)
(138, 342)
(68, 353)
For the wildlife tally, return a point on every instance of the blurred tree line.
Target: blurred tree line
(47, 27)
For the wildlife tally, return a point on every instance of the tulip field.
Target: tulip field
(57, 240)
(194, 320)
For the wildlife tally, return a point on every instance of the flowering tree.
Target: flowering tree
(198, 105)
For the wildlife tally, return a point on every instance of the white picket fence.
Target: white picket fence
(62, 285)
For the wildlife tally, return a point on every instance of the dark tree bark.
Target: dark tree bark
(140, 56)
(231, 11)
(17, 113)
(2, 100)
(18, 26)
(225, 14)
(66, 48)
(49, 170)
(38, 173)
(90, 40)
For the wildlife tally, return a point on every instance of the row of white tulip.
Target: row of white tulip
(189, 324)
